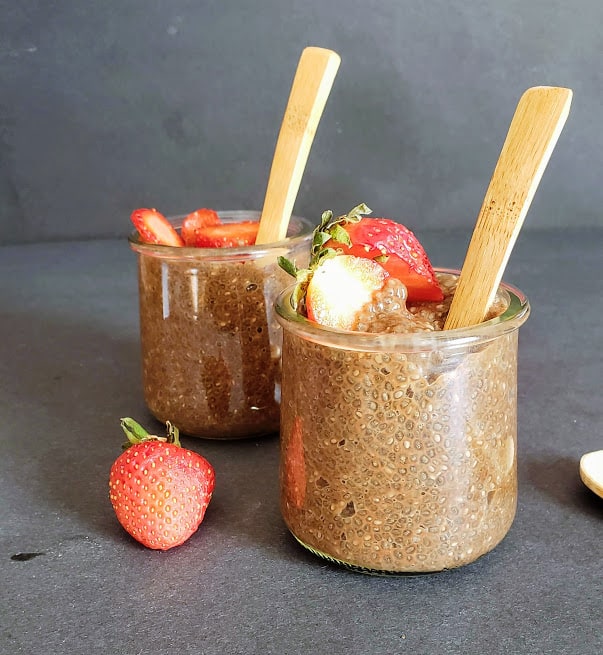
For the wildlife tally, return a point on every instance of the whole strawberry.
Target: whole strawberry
(159, 490)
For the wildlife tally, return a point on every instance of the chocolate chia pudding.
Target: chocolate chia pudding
(210, 342)
(398, 450)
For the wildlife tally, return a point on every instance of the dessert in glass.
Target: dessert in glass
(210, 341)
(398, 438)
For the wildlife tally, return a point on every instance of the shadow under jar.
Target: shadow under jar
(210, 341)
(398, 451)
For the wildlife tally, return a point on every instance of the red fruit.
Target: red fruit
(158, 489)
(194, 222)
(406, 258)
(294, 466)
(227, 235)
(154, 227)
(339, 287)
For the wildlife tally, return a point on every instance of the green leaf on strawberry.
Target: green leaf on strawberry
(137, 434)
(340, 235)
(288, 266)
(332, 229)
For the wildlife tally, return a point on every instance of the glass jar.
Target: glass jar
(210, 342)
(398, 451)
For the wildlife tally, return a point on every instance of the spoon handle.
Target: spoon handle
(311, 87)
(539, 118)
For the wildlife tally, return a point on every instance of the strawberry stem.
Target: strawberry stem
(137, 434)
(173, 434)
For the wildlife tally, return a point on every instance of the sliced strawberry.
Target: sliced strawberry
(194, 222)
(340, 286)
(154, 227)
(227, 235)
(406, 258)
(294, 466)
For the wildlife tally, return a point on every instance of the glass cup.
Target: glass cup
(210, 342)
(398, 451)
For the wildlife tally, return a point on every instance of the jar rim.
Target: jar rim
(517, 312)
(300, 230)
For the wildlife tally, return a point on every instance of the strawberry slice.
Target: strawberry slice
(339, 287)
(194, 222)
(404, 258)
(154, 227)
(294, 466)
(227, 235)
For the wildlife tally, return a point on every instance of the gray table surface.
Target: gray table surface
(69, 369)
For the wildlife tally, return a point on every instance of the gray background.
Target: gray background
(107, 106)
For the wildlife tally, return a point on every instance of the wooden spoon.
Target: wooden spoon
(591, 471)
(311, 87)
(539, 118)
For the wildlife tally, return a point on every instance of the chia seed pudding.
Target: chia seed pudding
(398, 442)
(210, 342)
